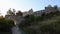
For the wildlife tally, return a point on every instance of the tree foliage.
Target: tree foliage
(19, 13)
(6, 24)
(9, 12)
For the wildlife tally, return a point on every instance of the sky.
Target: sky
(25, 5)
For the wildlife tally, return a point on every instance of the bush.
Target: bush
(6, 24)
(28, 20)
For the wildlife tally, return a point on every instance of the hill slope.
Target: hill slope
(45, 24)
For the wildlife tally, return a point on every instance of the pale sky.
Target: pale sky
(25, 5)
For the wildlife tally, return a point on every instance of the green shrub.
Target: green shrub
(6, 24)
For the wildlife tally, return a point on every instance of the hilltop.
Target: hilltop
(44, 24)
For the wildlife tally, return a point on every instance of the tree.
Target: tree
(56, 8)
(57, 12)
(1, 17)
(14, 11)
(9, 12)
(6, 24)
(19, 13)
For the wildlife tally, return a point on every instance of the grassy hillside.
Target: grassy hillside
(45, 24)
